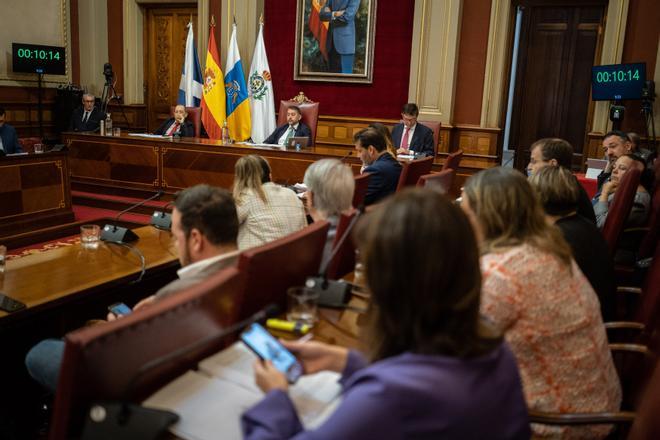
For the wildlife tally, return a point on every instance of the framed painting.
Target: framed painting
(335, 40)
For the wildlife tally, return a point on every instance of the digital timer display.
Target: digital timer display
(34, 58)
(616, 82)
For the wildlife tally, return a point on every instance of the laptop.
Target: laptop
(594, 167)
(297, 143)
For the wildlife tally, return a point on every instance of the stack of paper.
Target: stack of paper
(210, 401)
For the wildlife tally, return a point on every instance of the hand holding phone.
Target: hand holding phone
(119, 309)
(264, 345)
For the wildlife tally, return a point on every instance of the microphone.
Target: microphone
(162, 219)
(349, 154)
(333, 293)
(117, 234)
(267, 312)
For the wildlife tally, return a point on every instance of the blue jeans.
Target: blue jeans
(44, 361)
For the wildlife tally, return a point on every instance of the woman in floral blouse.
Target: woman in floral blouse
(537, 296)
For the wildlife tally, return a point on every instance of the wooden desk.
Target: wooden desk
(129, 162)
(55, 277)
(34, 192)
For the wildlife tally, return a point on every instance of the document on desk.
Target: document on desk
(210, 401)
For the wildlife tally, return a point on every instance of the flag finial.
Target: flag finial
(261, 19)
(212, 24)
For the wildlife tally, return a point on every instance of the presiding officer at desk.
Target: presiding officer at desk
(8, 138)
(292, 128)
(87, 117)
(177, 126)
(435, 369)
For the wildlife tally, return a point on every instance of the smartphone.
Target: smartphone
(120, 309)
(268, 348)
(9, 304)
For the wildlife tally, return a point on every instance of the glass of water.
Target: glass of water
(89, 236)
(38, 148)
(302, 305)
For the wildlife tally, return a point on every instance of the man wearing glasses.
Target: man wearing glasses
(87, 117)
(409, 137)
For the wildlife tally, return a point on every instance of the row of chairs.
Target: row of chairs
(103, 362)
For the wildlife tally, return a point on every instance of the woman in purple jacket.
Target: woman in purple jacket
(434, 369)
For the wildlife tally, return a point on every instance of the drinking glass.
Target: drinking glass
(302, 305)
(89, 236)
(38, 148)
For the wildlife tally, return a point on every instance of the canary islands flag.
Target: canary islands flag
(190, 86)
(214, 100)
(238, 105)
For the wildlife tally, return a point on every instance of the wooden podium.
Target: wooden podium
(34, 192)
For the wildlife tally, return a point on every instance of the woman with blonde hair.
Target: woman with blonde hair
(266, 211)
(536, 295)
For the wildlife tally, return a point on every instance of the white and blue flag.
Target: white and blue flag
(190, 87)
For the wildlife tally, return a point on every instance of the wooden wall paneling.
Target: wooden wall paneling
(133, 117)
(166, 41)
(128, 162)
(34, 192)
(21, 104)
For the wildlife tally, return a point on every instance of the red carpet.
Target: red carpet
(88, 213)
(130, 200)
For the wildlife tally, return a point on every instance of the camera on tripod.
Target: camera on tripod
(107, 72)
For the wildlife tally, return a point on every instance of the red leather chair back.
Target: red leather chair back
(453, 160)
(274, 267)
(651, 238)
(101, 361)
(27, 144)
(361, 186)
(344, 260)
(435, 128)
(194, 116)
(647, 423)
(649, 310)
(413, 170)
(310, 115)
(440, 182)
(620, 208)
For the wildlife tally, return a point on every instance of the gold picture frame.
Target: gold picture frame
(327, 31)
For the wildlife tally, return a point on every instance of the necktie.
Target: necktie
(404, 142)
(289, 135)
(85, 117)
(173, 128)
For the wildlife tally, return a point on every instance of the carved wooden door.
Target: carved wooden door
(165, 37)
(557, 49)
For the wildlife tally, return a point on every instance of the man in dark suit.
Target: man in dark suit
(384, 169)
(87, 117)
(409, 136)
(177, 126)
(292, 128)
(8, 139)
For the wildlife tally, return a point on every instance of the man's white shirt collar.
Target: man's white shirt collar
(193, 269)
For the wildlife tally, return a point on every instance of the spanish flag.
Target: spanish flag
(213, 88)
(238, 105)
(319, 28)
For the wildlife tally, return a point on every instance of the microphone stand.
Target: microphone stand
(114, 233)
(333, 293)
